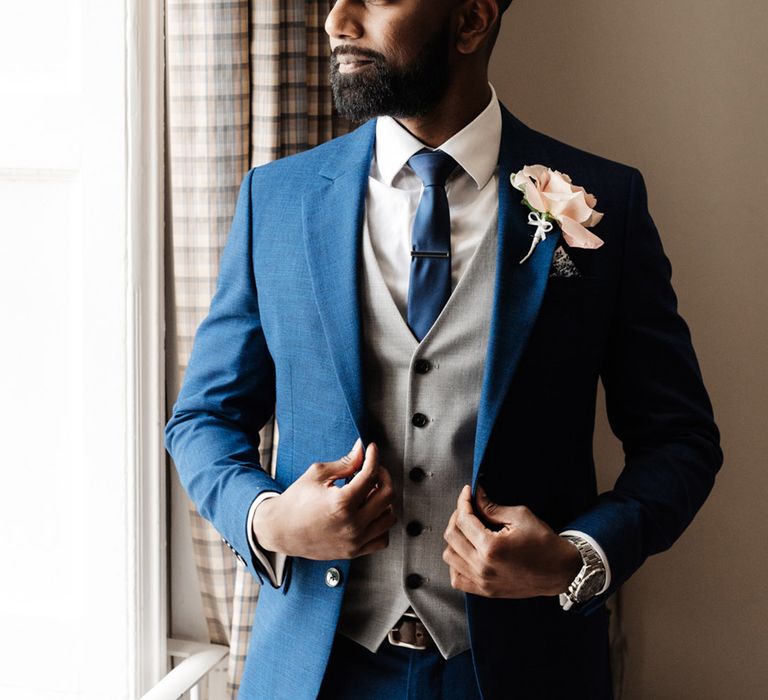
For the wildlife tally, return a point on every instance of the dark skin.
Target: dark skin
(395, 28)
(491, 550)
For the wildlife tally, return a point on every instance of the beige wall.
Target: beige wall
(679, 90)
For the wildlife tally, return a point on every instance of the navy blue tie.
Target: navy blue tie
(430, 283)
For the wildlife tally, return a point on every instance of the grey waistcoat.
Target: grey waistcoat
(448, 395)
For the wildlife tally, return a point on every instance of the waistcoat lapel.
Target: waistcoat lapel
(519, 288)
(333, 216)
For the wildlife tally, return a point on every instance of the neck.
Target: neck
(459, 106)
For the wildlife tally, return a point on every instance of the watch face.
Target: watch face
(590, 585)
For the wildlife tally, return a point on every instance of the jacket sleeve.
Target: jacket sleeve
(227, 395)
(657, 406)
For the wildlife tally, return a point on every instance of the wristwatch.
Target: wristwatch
(589, 580)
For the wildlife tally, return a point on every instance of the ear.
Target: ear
(476, 21)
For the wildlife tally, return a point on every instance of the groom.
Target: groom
(371, 293)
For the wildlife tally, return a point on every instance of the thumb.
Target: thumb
(341, 468)
(491, 512)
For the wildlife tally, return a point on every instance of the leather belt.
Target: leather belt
(409, 631)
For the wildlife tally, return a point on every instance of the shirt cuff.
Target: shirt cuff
(594, 544)
(273, 562)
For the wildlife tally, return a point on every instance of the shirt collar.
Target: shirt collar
(475, 147)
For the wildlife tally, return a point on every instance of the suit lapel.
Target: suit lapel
(519, 289)
(333, 218)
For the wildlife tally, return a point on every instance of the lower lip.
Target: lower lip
(353, 67)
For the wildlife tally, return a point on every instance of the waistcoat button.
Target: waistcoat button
(422, 366)
(417, 474)
(414, 528)
(332, 577)
(413, 581)
(419, 420)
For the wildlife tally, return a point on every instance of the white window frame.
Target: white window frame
(106, 152)
(145, 125)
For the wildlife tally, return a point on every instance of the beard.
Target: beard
(386, 90)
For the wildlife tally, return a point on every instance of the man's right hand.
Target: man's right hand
(315, 519)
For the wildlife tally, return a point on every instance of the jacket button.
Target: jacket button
(417, 474)
(422, 366)
(419, 420)
(332, 577)
(413, 581)
(414, 528)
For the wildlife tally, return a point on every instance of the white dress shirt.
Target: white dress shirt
(394, 191)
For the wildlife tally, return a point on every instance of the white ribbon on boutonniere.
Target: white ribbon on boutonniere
(543, 227)
(551, 196)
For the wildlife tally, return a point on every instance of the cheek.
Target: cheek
(396, 52)
(402, 42)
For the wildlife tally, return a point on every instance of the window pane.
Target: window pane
(64, 593)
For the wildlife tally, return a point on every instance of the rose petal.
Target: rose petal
(552, 191)
(577, 208)
(577, 236)
(557, 183)
(534, 197)
(519, 180)
(557, 202)
(594, 219)
(538, 173)
(590, 199)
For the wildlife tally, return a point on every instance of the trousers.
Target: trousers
(396, 673)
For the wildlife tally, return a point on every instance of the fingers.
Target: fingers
(467, 522)
(380, 497)
(492, 514)
(340, 468)
(378, 527)
(380, 542)
(458, 563)
(358, 488)
(462, 583)
(482, 497)
(460, 545)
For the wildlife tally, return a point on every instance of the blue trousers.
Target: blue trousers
(396, 673)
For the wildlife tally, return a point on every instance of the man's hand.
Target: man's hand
(315, 519)
(523, 559)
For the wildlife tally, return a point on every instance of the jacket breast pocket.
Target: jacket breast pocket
(578, 297)
(572, 322)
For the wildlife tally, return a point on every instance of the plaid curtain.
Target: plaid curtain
(246, 83)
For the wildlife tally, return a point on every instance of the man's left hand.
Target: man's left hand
(522, 559)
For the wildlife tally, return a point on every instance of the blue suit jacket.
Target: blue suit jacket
(283, 334)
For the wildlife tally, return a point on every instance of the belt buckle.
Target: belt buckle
(396, 629)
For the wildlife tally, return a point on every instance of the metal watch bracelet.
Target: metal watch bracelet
(589, 580)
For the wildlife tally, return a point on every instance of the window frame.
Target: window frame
(145, 325)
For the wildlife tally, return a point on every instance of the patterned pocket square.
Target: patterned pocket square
(563, 265)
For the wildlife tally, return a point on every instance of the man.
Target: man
(381, 293)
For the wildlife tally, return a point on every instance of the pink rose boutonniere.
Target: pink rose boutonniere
(550, 196)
